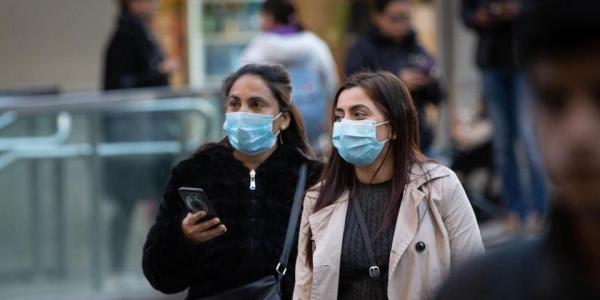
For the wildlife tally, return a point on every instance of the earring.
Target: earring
(281, 128)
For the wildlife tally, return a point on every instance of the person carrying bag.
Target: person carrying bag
(231, 242)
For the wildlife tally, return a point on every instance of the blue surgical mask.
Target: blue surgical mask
(356, 141)
(250, 133)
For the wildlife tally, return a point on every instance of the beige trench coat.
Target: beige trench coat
(435, 210)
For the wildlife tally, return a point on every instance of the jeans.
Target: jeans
(508, 103)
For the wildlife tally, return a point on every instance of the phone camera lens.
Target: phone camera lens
(196, 203)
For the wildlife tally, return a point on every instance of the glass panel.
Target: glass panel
(80, 189)
(222, 59)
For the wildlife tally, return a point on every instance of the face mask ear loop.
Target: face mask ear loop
(277, 116)
(383, 123)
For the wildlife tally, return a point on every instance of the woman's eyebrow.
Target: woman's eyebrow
(353, 108)
(258, 98)
(359, 106)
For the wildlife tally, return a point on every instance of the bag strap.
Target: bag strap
(290, 235)
(374, 271)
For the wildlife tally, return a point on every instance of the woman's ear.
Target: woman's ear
(393, 134)
(285, 121)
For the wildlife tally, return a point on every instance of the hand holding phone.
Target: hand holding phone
(199, 230)
(200, 224)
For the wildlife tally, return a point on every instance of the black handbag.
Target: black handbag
(269, 287)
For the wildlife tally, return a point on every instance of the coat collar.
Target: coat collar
(418, 176)
(425, 172)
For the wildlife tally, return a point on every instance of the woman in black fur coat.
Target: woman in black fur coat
(250, 179)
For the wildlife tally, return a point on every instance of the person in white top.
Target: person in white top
(313, 71)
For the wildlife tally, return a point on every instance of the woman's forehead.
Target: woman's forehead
(354, 97)
(250, 86)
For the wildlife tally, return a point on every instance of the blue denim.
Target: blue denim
(508, 103)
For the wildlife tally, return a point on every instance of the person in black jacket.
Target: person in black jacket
(559, 48)
(134, 59)
(250, 179)
(391, 45)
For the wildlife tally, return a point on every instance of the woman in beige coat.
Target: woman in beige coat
(385, 223)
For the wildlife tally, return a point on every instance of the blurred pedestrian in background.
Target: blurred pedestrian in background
(559, 48)
(307, 58)
(392, 45)
(506, 96)
(134, 59)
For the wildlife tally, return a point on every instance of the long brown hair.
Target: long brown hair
(392, 97)
(277, 80)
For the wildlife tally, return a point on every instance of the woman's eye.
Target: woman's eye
(257, 105)
(359, 114)
(337, 118)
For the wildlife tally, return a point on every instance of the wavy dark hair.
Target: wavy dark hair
(392, 97)
(278, 81)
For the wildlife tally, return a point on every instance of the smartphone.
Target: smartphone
(195, 200)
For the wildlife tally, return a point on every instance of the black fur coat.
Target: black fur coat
(256, 222)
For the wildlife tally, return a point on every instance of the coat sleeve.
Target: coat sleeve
(459, 219)
(304, 274)
(254, 52)
(168, 258)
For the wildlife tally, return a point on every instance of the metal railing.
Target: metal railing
(204, 105)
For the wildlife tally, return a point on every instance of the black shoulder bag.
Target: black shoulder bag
(269, 287)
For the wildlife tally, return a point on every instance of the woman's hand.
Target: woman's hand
(199, 231)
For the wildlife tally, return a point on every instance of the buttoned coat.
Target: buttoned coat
(434, 213)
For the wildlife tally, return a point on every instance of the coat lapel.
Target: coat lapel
(411, 209)
(406, 225)
(327, 227)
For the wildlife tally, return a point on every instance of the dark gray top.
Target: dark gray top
(355, 282)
